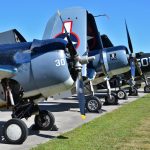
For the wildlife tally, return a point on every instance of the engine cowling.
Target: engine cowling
(109, 61)
(115, 60)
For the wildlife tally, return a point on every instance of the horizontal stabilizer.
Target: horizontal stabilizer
(11, 36)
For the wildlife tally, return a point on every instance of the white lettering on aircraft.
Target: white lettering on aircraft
(60, 62)
(144, 62)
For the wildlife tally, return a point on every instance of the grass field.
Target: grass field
(127, 128)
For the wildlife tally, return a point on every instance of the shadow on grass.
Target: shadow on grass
(62, 137)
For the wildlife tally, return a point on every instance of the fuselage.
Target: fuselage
(46, 73)
(144, 63)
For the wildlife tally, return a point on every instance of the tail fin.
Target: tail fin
(11, 36)
(106, 41)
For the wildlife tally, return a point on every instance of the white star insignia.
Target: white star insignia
(74, 43)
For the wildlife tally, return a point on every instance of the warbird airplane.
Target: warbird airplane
(144, 63)
(82, 28)
(139, 69)
(31, 72)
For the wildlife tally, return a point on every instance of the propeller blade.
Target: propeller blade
(79, 61)
(73, 52)
(138, 67)
(129, 39)
(133, 61)
(80, 95)
(132, 65)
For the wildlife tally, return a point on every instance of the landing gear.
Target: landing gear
(133, 91)
(15, 131)
(111, 99)
(147, 89)
(147, 85)
(44, 120)
(121, 94)
(93, 104)
(137, 86)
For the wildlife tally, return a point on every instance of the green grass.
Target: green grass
(127, 128)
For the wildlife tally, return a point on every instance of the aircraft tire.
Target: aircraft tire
(133, 91)
(15, 131)
(44, 120)
(93, 104)
(121, 94)
(147, 89)
(111, 101)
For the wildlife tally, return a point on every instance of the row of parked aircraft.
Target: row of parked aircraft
(72, 58)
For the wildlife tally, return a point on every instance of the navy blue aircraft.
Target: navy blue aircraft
(31, 72)
(68, 57)
(143, 61)
(82, 28)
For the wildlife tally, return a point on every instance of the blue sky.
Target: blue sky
(30, 18)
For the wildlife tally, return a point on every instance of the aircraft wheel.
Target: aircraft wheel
(133, 92)
(44, 120)
(111, 100)
(137, 86)
(147, 89)
(15, 131)
(93, 104)
(121, 94)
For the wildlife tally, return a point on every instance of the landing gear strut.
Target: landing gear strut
(15, 130)
(121, 94)
(132, 90)
(93, 103)
(111, 98)
(147, 86)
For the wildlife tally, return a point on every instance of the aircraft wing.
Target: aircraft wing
(7, 71)
(12, 56)
(9, 37)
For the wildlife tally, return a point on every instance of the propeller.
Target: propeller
(80, 94)
(132, 59)
(78, 62)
